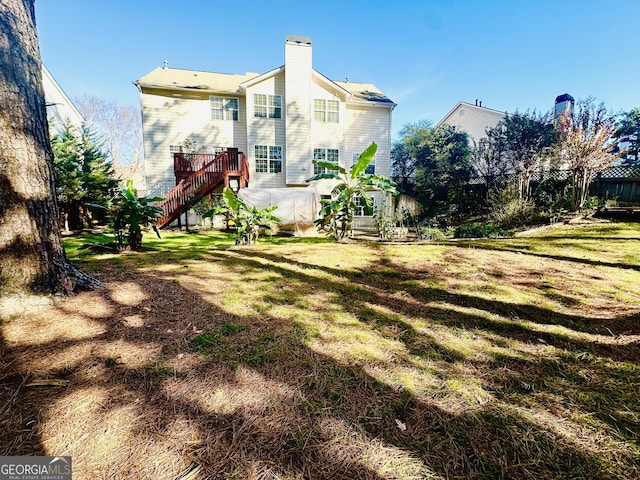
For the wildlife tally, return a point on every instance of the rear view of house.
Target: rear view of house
(278, 122)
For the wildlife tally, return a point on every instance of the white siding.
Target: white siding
(170, 120)
(266, 131)
(326, 134)
(473, 120)
(60, 109)
(365, 125)
(298, 73)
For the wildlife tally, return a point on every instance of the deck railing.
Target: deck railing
(197, 175)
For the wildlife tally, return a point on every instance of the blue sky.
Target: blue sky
(425, 55)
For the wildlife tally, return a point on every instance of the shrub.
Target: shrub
(480, 230)
(431, 233)
(552, 193)
(129, 214)
(508, 210)
(593, 204)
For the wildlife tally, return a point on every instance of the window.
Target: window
(268, 159)
(363, 210)
(328, 154)
(326, 110)
(275, 159)
(267, 105)
(262, 158)
(371, 168)
(223, 108)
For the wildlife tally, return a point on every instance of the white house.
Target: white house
(60, 109)
(281, 120)
(472, 119)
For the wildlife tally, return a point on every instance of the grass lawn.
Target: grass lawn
(303, 359)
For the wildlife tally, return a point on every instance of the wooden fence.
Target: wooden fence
(621, 183)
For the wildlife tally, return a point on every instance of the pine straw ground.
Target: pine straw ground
(302, 359)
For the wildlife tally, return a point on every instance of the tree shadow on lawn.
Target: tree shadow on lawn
(144, 399)
(422, 294)
(558, 373)
(508, 245)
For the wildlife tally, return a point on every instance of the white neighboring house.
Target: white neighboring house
(281, 120)
(473, 120)
(60, 109)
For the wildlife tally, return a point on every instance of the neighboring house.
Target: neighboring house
(474, 120)
(281, 120)
(60, 109)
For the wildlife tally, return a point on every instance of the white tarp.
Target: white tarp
(297, 207)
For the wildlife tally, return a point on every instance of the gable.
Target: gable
(472, 119)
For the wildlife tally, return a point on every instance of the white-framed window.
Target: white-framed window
(180, 149)
(224, 108)
(363, 210)
(326, 110)
(329, 154)
(371, 168)
(275, 159)
(267, 106)
(268, 158)
(175, 149)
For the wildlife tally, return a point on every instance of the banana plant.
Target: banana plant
(247, 221)
(130, 214)
(336, 215)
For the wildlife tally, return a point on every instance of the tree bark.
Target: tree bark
(31, 253)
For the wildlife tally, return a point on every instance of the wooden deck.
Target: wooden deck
(199, 174)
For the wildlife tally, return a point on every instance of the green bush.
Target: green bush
(593, 204)
(480, 230)
(552, 194)
(508, 210)
(431, 233)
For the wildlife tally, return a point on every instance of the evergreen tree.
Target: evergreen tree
(527, 140)
(629, 127)
(443, 169)
(83, 175)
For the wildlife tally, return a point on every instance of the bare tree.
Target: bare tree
(119, 128)
(586, 141)
(31, 253)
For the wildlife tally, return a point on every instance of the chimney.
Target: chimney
(297, 86)
(297, 52)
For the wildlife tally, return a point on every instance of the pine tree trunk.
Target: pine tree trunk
(31, 252)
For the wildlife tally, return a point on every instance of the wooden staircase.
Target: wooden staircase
(199, 174)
